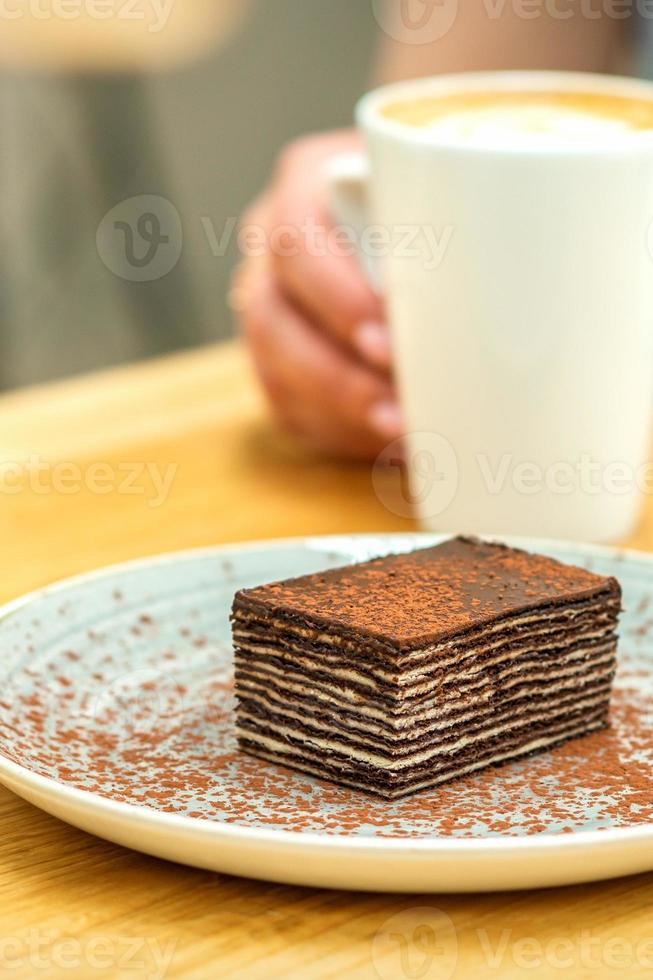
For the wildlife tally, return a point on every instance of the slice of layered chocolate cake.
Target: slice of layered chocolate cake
(406, 671)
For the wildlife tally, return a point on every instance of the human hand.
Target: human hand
(314, 325)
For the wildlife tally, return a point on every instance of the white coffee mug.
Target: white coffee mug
(519, 286)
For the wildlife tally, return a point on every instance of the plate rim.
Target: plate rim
(234, 833)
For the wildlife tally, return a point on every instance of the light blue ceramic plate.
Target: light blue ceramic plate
(115, 715)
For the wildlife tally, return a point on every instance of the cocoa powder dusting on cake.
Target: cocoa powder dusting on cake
(464, 579)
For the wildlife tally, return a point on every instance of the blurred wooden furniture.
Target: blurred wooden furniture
(74, 906)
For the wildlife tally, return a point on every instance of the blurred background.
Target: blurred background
(166, 117)
(134, 132)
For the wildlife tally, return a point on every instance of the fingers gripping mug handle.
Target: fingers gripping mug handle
(348, 176)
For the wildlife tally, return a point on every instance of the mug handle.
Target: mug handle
(348, 179)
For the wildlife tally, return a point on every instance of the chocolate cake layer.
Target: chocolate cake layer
(350, 776)
(319, 727)
(462, 710)
(402, 672)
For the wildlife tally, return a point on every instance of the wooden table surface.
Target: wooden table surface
(75, 906)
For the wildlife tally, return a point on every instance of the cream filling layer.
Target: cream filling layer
(411, 728)
(247, 660)
(252, 642)
(279, 751)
